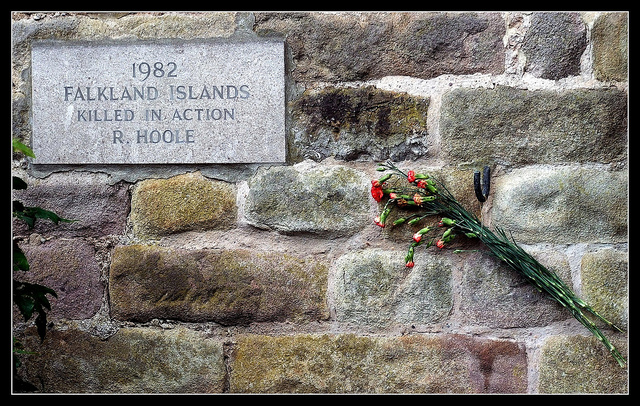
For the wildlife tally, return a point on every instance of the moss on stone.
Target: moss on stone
(325, 201)
(182, 203)
(349, 363)
(577, 364)
(228, 287)
(353, 122)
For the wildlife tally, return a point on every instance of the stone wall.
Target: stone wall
(274, 278)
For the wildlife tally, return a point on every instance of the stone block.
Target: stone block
(329, 201)
(560, 205)
(348, 363)
(610, 38)
(605, 279)
(359, 123)
(577, 364)
(492, 294)
(362, 46)
(135, 360)
(227, 287)
(554, 45)
(70, 268)
(374, 288)
(182, 203)
(518, 127)
(97, 207)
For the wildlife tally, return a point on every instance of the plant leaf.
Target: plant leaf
(18, 146)
(20, 262)
(18, 183)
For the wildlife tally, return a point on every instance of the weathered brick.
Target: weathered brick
(361, 46)
(357, 364)
(578, 364)
(182, 203)
(516, 127)
(69, 267)
(554, 44)
(492, 294)
(560, 205)
(97, 208)
(359, 123)
(134, 360)
(374, 288)
(605, 276)
(329, 201)
(610, 37)
(227, 287)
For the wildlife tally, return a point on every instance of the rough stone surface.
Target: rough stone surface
(72, 271)
(359, 123)
(554, 44)
(97, 207)
(374, 288)
(493, 294)
(562, 205)
(517, 127)
(605, 275)
(327, 201)
(135, 360)
(577, 364)
(182, 203)
(227, 287)
(357, 364)
(610, 37)
(361, 46)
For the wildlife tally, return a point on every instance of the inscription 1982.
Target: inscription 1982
(151, 103)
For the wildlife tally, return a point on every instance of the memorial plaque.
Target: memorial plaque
(174, 102)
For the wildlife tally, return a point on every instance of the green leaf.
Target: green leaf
(18, 146)
(18, 206)
(19, 212)
(30, 214)
(19, 184)
(25, 303)
(30, 298)
(40, 213)
(20, 262)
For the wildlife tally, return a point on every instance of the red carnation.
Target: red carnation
(411, 176)
(376, 190)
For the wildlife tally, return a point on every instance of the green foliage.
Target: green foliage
(20, 147)
(30, 298)
(30, 214)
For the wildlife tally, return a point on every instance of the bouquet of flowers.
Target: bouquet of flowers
(428, 197)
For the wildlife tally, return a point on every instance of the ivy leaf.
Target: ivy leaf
(40, 213)
(30, 214)
(19, 184)
(21, 297)
(18, 146)
(31, 298)
(20, 262)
